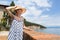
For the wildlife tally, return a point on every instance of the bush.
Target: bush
(3, 25)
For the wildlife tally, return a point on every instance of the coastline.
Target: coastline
(42, 36)
(33, 34)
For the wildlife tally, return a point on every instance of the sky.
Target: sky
(44, 12)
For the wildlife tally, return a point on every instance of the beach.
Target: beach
(34, 35)
(42, 36)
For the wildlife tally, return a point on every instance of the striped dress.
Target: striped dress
(16, 30)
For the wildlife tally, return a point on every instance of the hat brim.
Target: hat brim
(16, 8)
(23, 9)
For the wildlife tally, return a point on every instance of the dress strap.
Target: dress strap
(21, 19)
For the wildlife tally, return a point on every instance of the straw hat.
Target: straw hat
(16, 8)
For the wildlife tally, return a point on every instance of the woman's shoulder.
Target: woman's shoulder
(22, 17)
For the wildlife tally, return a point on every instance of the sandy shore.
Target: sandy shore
(33, 34)
(3, 35)
(41, 36)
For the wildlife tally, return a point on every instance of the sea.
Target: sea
(50, 30)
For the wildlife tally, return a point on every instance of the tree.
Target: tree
(12, 3)
(10, 19)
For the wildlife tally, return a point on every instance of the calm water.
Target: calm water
(51, 30)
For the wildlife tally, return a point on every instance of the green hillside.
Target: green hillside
(31, 24)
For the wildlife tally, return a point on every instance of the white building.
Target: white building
(2, 10)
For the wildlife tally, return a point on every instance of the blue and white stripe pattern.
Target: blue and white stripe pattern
(16, 30)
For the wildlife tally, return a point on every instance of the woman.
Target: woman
(16, 29)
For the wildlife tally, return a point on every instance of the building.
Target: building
(2, 10)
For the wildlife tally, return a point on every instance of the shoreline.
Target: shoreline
(42, 36)
(33, 34)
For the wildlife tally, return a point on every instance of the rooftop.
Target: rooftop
(4, 5)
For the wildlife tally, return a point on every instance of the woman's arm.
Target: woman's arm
(23, 21)
(9, 13)
(12, 15)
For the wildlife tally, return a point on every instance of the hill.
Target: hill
(31, 24)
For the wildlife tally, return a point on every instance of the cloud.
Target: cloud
(4, 2)
(49, 20)
(45, 16)
(41, 3)
(52, 21)
(32, 6)
(35, 12)
(35, 9)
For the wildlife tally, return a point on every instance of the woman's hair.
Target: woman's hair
(17, 10)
